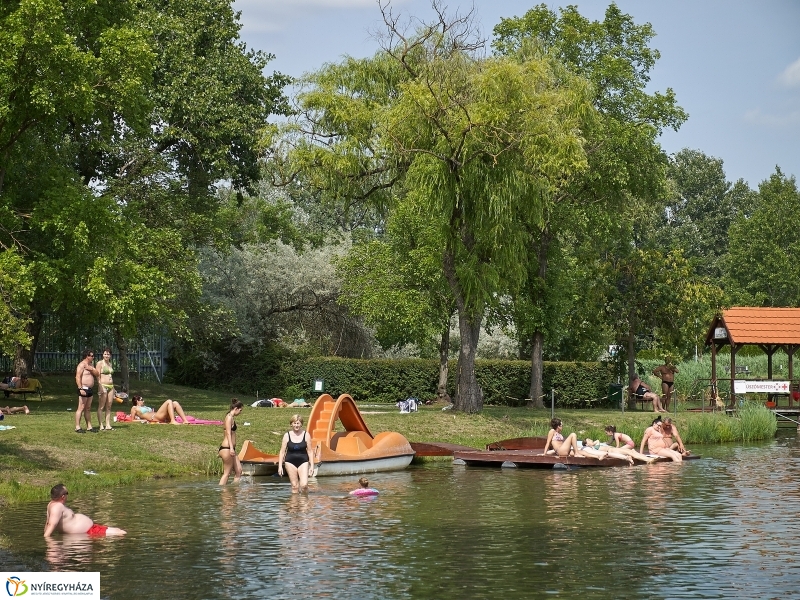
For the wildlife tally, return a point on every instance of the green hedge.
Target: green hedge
(504, 382)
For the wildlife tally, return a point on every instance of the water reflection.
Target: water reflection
(721, 526)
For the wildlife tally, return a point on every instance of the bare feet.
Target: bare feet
(27, 410)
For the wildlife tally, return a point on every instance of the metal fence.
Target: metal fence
(58, 352)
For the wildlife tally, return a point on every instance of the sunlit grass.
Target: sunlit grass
(43, 449)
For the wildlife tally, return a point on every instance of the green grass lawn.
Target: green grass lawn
(44, 450)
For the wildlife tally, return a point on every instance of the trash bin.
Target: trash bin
(615, 395)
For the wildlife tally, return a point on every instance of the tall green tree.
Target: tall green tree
(701, 208)
(476, 142)
(624, 158)
(763, 263)
(396, 284)
(145, 108)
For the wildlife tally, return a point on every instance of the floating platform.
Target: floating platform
(534, 459)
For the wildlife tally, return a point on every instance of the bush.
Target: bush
(504, 382)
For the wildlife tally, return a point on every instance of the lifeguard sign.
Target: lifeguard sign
(742, 386)
(770, 329)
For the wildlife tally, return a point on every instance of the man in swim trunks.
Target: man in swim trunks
(62, 518)
(84, 378)
(666, 373)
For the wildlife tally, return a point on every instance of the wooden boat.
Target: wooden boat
(521, 443)
(350, 452)
(354, 450)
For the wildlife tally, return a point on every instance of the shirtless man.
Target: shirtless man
(84, 378)
(640, 388)
(63, 519)
(666, 373)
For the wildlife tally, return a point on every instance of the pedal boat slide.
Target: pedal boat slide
(350, 452)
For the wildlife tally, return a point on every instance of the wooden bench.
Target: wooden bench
(34, 387)
(637, 398)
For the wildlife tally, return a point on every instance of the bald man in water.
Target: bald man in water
(62, 518)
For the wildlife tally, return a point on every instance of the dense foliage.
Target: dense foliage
(504, 382)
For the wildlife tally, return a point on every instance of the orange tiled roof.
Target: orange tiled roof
(748, 325)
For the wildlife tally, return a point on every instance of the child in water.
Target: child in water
(364, 490)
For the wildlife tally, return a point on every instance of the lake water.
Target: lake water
(724, 526)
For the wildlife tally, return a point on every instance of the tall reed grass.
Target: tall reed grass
(752, 422)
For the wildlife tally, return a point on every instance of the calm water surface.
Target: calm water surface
(723, 526)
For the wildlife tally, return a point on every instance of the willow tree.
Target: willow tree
(624, 158)
(473, 142)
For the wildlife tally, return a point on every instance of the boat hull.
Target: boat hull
(259, 469)
(358, 467)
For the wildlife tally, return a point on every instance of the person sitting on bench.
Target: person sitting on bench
(14, 383)
(640, 388)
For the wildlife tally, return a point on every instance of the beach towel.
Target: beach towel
(300, 402)
(190, 420)
(4, 427)
(123, 416)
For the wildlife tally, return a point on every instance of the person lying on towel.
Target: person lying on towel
(165, 413)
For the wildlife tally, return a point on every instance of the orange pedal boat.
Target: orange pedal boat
(350, 452)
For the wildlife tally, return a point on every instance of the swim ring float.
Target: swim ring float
(364, 492)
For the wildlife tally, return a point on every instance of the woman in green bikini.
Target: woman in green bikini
(105, 391)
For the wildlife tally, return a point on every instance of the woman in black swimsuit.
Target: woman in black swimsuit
(227, 451)
(297, 455)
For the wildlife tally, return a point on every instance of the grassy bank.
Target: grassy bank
(44, 450)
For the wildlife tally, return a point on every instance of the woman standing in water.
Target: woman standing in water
(105, 390)
(297, 455)
(227, 450)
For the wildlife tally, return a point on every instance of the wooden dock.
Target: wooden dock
(534, 459)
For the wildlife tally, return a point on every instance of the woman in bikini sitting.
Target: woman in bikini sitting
(654, 438)
(105, 390)
(164, 414)
(560, 445)
(227, 450)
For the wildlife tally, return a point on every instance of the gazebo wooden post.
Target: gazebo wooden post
(713, 371)
(790, 350)
(734, 348)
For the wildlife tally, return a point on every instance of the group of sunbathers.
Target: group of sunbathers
(662, 438)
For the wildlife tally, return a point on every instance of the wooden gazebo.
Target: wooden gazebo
(771, 329)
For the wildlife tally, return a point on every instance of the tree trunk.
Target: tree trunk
(469, 396)
(124, 368)
(444, 351)
(537, 369)
(24, 357)
(537, 288)
(631, 344)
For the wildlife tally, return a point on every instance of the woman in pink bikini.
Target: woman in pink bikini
(561, 445)
(619, 437)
